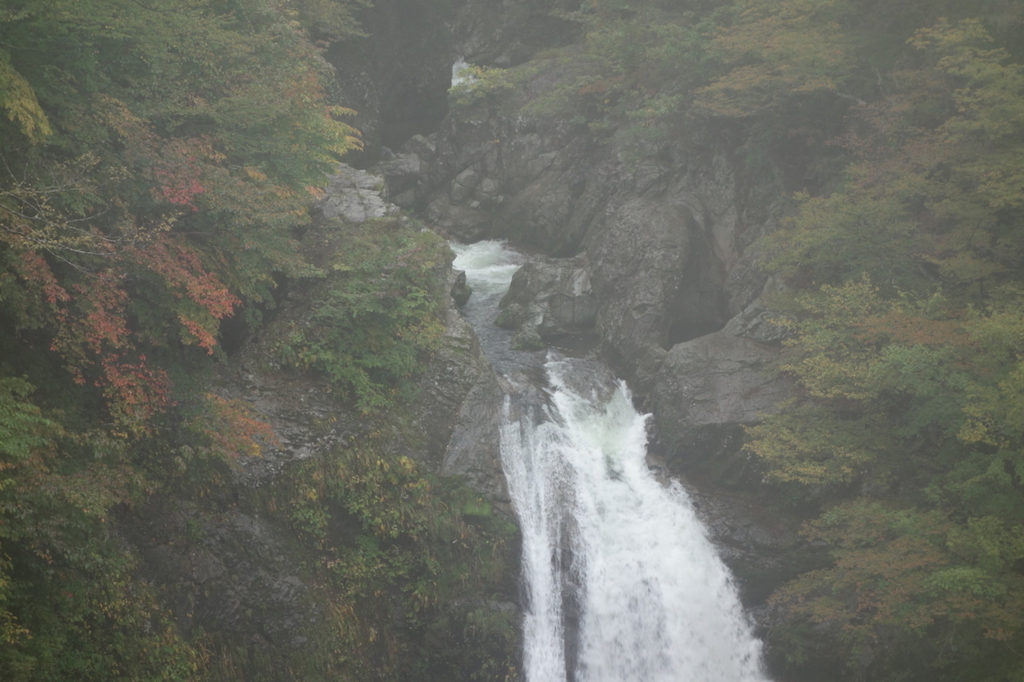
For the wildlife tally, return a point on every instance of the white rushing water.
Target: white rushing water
(461, 73)
(621, 581)
(489, 267)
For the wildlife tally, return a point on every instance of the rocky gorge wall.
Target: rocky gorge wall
(650, 247)
(384, 547)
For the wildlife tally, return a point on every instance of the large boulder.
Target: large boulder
(402, 175)
(710, 387)
(407, 173)
(551, 296)
(639, 267)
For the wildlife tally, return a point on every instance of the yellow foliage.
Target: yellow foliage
(775, 50)
(18, 98)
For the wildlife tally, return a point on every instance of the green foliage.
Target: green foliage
(158, 163)
(482, 90)
(928, 200)
(905, 315)
(412, 567)
(23, 429)
(156, 159)
(70, 606)
(816, 449)
(377, 315)
(776, 51)
(19, 100)
(911, 590)
(844, 235)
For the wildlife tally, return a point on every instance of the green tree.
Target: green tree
(156, 160)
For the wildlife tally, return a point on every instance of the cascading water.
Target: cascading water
(461, 73)
(622, 583)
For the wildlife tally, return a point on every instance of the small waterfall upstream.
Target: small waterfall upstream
(621, 582)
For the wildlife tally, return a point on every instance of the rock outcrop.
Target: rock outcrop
(663, 235)
(229, 572)
(706, 391)
(355, 196)
(458, 412)
(548, 298)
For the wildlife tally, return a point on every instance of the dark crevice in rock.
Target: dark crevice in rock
(702, 306)
(397, 76)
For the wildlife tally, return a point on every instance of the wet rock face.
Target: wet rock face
(548, 298)
(225, 571)
(710, 387)
(457, 414)
(761, 546)
(356, 196)
(474, 447)
(639, 269)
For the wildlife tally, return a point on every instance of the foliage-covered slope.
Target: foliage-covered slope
(908, 331)
(155, 160)
(158, 161)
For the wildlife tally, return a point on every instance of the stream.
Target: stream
(620, 581)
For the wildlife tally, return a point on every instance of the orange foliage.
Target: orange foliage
(180, 266)
(233, 429)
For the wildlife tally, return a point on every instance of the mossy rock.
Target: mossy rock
(512, 317)
(527, 339)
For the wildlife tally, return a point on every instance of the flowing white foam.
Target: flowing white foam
(489, 267)
(461, 73)
(655, 604)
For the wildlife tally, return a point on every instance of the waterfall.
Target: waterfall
(621, 582)
(460, 72)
